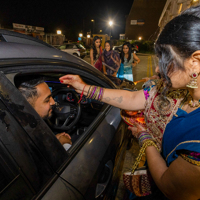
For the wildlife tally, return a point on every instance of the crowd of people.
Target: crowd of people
(110, 62)
(172, 107)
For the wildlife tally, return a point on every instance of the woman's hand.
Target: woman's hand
(114, 74)
(73, 80)
(136, 129)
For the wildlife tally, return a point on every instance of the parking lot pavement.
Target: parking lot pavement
(87, 58)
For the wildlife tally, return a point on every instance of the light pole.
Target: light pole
(92, 20)
(110, 23)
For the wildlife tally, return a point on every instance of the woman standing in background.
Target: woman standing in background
(96, 53)
(110, 60)
(129, 60)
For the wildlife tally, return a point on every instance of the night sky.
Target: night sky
(70, 16)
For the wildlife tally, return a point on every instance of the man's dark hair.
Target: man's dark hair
(28, 88)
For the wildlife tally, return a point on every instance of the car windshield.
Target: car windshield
(80, 46)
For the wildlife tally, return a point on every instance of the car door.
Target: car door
(92, 156)
(30, 155)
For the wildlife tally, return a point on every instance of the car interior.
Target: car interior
(68, 115)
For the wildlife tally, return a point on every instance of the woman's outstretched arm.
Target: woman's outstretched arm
(123, 99)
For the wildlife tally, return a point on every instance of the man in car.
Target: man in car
(38, 94)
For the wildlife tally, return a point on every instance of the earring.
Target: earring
(193, 81)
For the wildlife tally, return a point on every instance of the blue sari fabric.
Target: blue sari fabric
(182, 133)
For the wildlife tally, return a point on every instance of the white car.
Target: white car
(74, 49)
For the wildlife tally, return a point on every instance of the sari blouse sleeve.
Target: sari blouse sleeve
(147, 91)
(190, 156)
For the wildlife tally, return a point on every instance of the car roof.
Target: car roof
(24, 51)
(14, 37)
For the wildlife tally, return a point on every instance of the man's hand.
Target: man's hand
(64, 138)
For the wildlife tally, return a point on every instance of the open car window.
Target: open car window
(67, 101)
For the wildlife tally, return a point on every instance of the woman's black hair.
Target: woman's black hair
(179, 39)
(94, 47)
(110, 43)
(129, 51)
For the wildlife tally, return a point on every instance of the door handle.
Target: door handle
(106, 175)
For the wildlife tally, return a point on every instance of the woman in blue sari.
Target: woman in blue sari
(171, 108)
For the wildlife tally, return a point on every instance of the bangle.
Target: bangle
(81, 94)
(143, 136)
(142, 152)
(88, 91)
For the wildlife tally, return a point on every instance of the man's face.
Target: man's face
(43, 104)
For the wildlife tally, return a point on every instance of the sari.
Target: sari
(175, 131)
(98, 61)
(107, 61)
(182, 137)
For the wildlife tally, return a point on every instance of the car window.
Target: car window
(34, 130)
(79, 46)
(69, 46)
(62, 47)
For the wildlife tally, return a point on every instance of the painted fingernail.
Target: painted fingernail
(61, 81)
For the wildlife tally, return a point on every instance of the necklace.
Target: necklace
(188, 99)
(193, 103)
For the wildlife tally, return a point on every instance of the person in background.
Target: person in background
(110, 60)
(95, 53)
(128, 60)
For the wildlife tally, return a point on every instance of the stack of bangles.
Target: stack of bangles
(95, 92)
(143, 137)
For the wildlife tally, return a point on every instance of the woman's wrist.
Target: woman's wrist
(143, 136)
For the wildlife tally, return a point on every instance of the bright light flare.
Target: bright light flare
(59, 32)
(110, 23)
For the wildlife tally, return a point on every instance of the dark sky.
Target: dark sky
(71, 16)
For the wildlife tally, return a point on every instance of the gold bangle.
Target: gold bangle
(88, 91)
(194, 162)
(142, 152)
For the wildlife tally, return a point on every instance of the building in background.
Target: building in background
(34, 31)
(122, 36)
(142, 21)
(173, 8)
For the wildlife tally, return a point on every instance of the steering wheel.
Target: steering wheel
(65, 114)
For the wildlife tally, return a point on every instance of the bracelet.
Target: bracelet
(143, 136)
(88, 91)
(95, 92)
(142, 152)
(81, 94)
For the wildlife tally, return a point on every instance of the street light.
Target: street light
(88, 36)
(92, 20)
(110, 23)
(140, 38)
(80, 34)
(59, 32)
